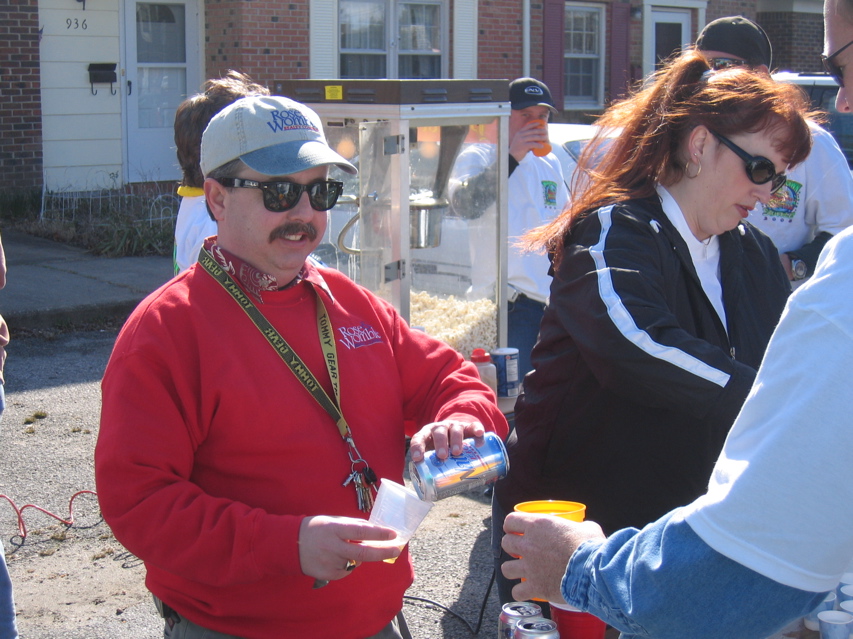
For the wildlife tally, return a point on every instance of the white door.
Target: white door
(161, 51)
(671, 33)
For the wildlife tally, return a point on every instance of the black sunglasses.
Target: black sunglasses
(833, 69)
(759, 169)
(726, 63)
(283, 196)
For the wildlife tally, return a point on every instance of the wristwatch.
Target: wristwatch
(799, 269)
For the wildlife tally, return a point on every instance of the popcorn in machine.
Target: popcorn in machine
(398, 229)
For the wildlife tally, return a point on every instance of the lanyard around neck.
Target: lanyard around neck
(287, 354)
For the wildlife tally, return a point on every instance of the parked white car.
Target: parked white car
(567, 143)
(822, 89)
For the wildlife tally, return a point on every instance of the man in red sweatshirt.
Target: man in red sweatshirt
(252, 405)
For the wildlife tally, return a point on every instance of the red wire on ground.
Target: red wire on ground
(22, 528)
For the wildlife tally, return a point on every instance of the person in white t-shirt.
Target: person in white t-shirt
(194, 223)
(774, 533)
(537, 193)
(817, 199)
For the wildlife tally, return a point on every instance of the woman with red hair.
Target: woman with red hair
(663, 297)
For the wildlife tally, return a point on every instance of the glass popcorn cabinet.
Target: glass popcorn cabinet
(424, 223)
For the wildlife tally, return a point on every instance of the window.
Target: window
(583, 58)
(387, 39)
(363, 39)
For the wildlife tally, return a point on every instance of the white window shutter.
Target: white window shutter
(465, 39)
(323, 41)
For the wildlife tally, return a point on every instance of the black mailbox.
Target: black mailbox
(102, 72)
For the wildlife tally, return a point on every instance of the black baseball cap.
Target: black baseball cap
(738, 36)
(528, 92)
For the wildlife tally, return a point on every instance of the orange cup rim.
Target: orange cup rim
(575, 505)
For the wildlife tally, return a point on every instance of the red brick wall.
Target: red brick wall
(267, 39)
(500, 42)
(797, 40)
(21, 158)
(721, 8)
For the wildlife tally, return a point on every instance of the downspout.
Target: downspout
(525, 38)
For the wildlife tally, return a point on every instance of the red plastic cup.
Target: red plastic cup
(574, 624)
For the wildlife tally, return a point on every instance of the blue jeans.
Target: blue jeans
(523, 318)
(8, 626)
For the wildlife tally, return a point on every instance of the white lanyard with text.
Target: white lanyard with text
(362, 476)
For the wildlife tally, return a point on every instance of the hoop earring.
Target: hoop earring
(687, 172)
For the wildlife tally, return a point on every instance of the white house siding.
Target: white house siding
(82, 133)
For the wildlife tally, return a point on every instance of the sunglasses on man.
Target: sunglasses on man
(283, 196)
(759, 169)
(718, 64)
(832, 68)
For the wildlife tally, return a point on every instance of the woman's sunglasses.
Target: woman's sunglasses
(833, 69)
(283, 196)
(759, 169)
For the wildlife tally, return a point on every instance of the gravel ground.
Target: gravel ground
(78, 582)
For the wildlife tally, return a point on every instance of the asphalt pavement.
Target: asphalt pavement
(50, 284)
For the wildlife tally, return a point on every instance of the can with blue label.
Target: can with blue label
(483, 461)
(506, 363)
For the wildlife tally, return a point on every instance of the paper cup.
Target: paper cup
(810, 620)
(845, 593)
(835, 624)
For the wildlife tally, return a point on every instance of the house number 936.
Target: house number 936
(74, 23)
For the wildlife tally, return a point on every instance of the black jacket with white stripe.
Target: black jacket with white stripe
(636, 380)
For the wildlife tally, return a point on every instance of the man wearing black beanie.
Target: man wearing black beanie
(815, 203)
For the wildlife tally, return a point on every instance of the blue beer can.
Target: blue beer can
(483, 461)
(506, 363)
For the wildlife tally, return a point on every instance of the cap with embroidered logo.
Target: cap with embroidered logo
(272, 135)
(528, 92)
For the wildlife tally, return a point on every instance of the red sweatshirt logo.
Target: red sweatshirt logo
(358, 336)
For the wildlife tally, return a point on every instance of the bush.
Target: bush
(19, 204)
(108, 222)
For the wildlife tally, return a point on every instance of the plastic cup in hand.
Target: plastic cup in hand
(399, 508)
(835, 624)
(572, 510)
(545, 147)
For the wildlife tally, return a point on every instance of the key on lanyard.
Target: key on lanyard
(364, 480)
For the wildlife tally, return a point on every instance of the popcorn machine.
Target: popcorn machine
(406, 227)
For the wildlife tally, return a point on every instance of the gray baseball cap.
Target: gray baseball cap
(271, 134)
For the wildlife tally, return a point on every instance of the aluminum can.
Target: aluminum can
(506, 363)
(512, 613)
(536, 629)
(483, 461)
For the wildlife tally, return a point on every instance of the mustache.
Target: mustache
(294, 228)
